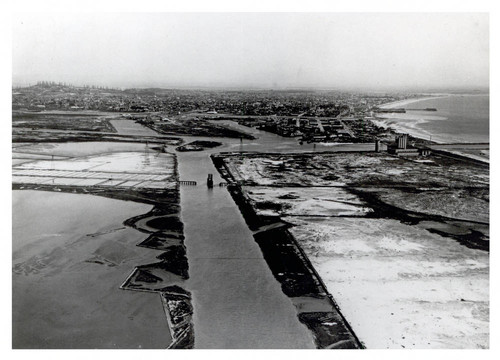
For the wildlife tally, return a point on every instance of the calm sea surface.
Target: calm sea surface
(459, 118)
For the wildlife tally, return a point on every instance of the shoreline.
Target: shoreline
(391, 123)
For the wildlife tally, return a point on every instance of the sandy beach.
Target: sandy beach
(394, 121)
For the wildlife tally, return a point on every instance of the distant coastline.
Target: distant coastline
(387, 121)
(401, 103)
(415, 124)
(404, 102)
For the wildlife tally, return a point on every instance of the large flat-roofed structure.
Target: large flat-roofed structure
(400, 147)
(402, 141)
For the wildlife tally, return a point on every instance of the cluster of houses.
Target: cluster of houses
(310, 129)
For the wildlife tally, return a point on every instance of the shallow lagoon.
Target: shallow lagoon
(71, 253)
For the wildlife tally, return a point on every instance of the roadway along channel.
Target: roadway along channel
(237, 301)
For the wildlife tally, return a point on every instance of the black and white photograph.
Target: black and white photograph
(249, 179)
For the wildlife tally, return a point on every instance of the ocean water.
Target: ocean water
(459, 118)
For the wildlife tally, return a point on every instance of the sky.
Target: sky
(263, 50)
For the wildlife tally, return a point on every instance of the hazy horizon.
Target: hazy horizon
(385, 51)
